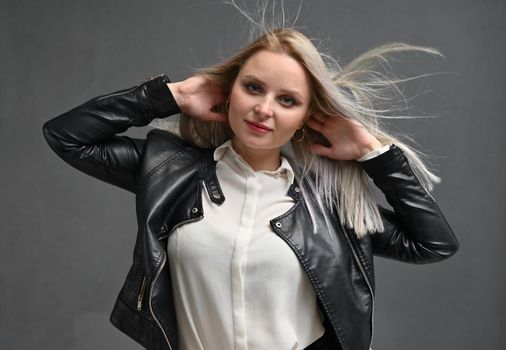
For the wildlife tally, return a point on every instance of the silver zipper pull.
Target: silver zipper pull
(141, 294)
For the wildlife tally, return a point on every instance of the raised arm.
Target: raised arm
(415, 231)
(86, 136)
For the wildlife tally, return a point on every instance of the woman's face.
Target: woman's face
(269, 101)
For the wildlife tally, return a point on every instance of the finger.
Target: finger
(216, 116)
(219, 97)
(321, 150)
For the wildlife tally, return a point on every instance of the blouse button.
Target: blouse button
(194, 210)
(296, 189)
(278, 224)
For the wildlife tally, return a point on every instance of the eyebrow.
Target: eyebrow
(288, 91)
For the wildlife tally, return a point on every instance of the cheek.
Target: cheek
(243, 100)
(237, 110)
(238, 102)
(291, 122)
(234, 104)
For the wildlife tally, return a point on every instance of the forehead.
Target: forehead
(278, 70)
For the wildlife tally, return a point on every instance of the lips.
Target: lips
(258, 127)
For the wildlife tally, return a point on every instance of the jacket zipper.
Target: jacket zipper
(141, 293)
(362, 270)
(158, 274)
(151, 294)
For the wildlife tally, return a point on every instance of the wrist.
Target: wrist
(373, 146)
(175, 89)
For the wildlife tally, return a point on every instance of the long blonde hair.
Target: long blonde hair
(357, 91)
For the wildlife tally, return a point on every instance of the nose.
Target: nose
(264, 107)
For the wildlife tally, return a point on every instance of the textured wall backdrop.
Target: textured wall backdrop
(66, 239)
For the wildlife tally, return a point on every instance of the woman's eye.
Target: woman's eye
(287, 100)
(252, 87)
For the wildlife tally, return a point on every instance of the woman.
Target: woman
(243, 242)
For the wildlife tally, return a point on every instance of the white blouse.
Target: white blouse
(237, 285)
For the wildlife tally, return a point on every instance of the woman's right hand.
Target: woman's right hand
(196, 97)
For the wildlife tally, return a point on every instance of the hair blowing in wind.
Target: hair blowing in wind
(364, 90)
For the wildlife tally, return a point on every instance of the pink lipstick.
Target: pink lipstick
(257, 127)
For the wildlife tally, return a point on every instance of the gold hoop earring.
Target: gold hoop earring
(227, 105)
(303, 135)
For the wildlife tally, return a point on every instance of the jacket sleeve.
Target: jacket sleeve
(415, 231)
(86, 136)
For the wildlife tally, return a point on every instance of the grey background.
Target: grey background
(66, 239)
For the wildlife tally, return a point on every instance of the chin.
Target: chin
(263, 145)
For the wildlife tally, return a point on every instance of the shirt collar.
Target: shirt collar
(227, 150)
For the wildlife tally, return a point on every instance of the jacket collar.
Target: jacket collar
(226, 152)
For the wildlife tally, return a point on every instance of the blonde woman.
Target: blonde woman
(257, 224)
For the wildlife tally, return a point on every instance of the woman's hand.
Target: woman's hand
(348, 138)
(196, 96)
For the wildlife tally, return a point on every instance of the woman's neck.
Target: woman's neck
(258, 159)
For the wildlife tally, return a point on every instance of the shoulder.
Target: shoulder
(166, 149)
(163, 141)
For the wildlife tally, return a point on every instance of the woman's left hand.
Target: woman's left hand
(348, 138)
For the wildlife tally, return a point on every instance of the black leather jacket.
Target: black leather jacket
(168, 177)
